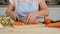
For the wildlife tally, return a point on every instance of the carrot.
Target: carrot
(19, 24)
(57, 24)
(22, 24)
(35, 22)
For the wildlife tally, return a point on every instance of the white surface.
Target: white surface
(2, 11)
(54, 13)
(1, 26)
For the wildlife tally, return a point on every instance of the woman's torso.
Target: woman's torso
(23, 7)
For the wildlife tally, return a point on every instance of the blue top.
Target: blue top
(24, 8)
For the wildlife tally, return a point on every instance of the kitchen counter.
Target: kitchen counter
(30, 30)
(52, 6)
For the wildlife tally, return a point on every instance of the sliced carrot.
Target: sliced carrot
(35, 22)
(22, 24)
(19, 24)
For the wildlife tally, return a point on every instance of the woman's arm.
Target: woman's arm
(11, 13)
(9, 9)
(42, 13)
(43, 9)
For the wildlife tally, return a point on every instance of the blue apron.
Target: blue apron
(24, 8)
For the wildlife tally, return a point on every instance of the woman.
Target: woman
(27, 10)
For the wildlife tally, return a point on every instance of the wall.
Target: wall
(54, 13)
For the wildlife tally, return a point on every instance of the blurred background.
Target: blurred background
(53, 5)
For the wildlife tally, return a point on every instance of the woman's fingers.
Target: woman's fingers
(17, 16)
(14, 16)
(29, 19)
(26, 19)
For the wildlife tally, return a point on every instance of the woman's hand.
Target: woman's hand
(31, 17)
(14, 16)
(11, 13)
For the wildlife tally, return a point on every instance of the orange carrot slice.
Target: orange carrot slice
(35, 22)
(19, 24)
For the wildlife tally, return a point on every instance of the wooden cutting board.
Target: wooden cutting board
(30, 29)
(9, 28)
(31, 25)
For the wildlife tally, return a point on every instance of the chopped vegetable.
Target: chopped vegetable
(35, 22)
(57, 24)
(47, 20)
(5, 20)
(19, 24)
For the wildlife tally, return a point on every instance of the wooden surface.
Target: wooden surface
(30, 29)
